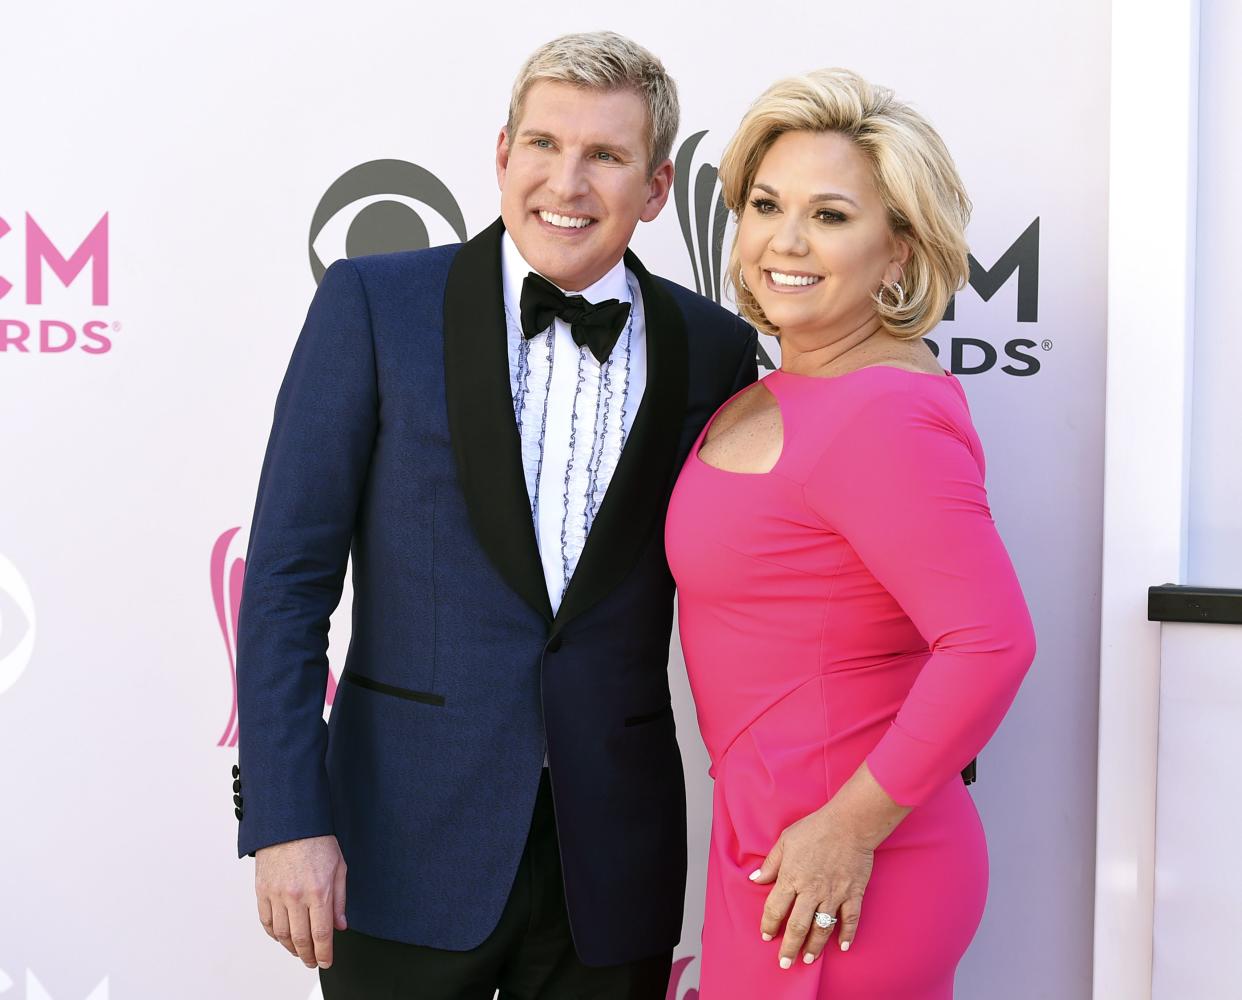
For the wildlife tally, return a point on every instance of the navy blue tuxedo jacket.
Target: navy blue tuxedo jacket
(394, 442)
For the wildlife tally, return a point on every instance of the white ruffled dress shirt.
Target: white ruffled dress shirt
(574, 414)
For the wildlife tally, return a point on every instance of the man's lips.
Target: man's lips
(564, 222)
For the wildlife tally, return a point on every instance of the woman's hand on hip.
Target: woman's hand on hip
(816, 865)
(822, 863)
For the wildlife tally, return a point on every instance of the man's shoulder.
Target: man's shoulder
(403, 266)
(702, 315)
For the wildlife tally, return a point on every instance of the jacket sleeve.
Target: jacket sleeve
(748, 366)
(312, 478)
(903, 486)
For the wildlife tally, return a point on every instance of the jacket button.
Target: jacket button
(236, 771)
(237, 813)
(237, 801)
(554, 644)
(237, 786)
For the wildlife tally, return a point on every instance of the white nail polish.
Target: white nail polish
(786, 962)
(767, 936)
(755, 874)
(808, 958)
(845, 945)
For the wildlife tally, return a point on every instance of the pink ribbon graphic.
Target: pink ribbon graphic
(674, 981)
(226, 590)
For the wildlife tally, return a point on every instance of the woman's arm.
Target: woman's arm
(903, 485)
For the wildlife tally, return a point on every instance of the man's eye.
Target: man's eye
(543, 143)
(605, 155)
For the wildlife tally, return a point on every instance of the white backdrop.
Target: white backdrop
(137, 401)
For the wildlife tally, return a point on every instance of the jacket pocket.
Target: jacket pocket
(639, 720)
(423, 697)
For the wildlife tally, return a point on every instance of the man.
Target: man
(492, 429)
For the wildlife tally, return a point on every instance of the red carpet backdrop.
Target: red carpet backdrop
(175, 180)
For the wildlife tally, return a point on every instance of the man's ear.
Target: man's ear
(659, 186)
(502, 156)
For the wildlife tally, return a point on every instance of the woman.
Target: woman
(852, 625)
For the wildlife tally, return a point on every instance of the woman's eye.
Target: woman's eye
(763, 205)
(827, 215)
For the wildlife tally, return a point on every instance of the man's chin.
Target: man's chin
(572, 272)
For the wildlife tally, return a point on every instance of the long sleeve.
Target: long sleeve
(309, 489)
(748, 365)
(902, 482)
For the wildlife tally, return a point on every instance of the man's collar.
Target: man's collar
(513, 271)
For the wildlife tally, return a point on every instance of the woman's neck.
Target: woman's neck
(820, 353)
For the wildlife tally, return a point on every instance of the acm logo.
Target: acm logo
(35, 332)
(704, 221)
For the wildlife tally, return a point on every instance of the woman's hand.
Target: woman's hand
(823, 862)
(816, 865)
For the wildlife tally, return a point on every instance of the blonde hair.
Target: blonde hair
(913, 171)
(604, 60)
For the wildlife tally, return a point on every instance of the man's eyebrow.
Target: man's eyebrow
(826, 196)
(615, 147)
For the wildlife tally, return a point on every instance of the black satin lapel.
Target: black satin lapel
(637, 497)
(485, 437)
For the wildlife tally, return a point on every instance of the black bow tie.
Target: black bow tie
(596, 325)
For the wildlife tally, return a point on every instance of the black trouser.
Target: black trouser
(529, 956)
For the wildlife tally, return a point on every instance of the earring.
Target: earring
(898, 292)
(741, 280)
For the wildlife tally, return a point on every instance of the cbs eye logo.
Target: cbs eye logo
(374, 208)
(704, 221)
(700, 213)
(17, 625)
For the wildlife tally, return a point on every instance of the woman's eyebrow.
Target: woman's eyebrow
(826, 196)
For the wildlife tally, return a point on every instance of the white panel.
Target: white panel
(1198, 877)
(1215, 537)
(1198, 880)
(1150, 307)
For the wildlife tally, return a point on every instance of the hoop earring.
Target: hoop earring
(741, 280)
(898, 292)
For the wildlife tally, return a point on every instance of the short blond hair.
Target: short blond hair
(913, 171)
(606, 61)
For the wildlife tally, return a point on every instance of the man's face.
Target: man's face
(573, 180)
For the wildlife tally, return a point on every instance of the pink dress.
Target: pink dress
(853, 603)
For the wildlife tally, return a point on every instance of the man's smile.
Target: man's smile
(565, 221)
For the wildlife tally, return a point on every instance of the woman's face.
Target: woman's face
(814, 240)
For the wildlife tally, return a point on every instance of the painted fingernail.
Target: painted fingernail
(808, 958)
(755, 874)
(786, 961)
(767, 936)
(845, 945)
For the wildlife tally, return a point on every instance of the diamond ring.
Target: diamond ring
(824, 920)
